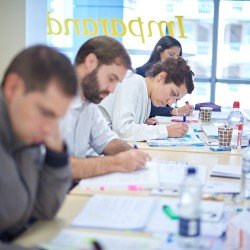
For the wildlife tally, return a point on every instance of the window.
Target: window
(140, 30)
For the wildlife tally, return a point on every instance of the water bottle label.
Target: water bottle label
(189, 227)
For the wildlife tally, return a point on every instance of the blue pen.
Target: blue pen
(184, 118)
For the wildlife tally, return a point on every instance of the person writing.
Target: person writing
(100, 64)
(127, 110)
(165, 48)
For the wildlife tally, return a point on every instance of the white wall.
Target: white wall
(12, 30)
(22, 23)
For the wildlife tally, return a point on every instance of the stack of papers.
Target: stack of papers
(155, 174)
(225, 171)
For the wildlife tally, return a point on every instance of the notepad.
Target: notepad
(188, 140)
(226, 171)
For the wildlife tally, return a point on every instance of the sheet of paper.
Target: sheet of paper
(226, 171)
(144, 178)
(160, 223)
(209, 188)
(69, 239)
(173, 174)
(221, 188)
(210, 131)
(115, 212)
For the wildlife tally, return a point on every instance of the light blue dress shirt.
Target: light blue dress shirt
(83, 127)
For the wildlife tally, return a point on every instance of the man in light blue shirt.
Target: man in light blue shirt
(100, 63)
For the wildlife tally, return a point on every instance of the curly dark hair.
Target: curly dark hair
(178, 72)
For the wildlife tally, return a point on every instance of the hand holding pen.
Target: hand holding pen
(187, 109)
(177, 129)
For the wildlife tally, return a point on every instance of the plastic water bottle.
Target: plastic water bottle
(189, 210)
(235, 120)
(245, 179)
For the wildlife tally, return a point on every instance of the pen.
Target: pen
(184, 118)
(169, 212)
(96, 245)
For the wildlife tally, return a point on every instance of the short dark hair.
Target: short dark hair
(107, 50)
(165, 42)
(178, 72)
(39, 64)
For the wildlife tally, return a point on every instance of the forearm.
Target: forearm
(116, 146)
(140, 132)
(89, 167)
(54, 182)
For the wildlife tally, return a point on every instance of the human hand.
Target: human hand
(53, 140)
(131, 160)
(152, 121)
(184, 110)
(177, 129)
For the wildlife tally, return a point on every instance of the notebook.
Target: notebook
(190, 139)
(225, 171)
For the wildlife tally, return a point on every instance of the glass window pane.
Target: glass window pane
(226, 94)
(201, 93)
(234, 40)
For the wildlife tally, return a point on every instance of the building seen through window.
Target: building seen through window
(195, 29)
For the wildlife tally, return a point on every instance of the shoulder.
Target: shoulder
(134, 80)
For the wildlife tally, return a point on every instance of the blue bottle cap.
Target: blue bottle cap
(191, 170)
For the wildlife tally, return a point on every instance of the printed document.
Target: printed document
(155, 174)
(115, 212)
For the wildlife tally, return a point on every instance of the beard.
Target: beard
(91, 89)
